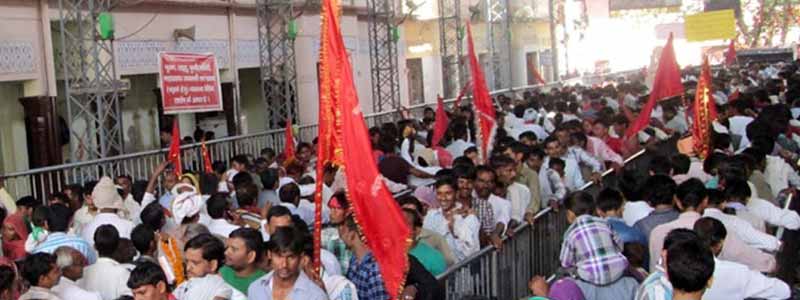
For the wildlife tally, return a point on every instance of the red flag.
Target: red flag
(705, 112)
(461, 94)
(484, 108)
(209, 169)
(378, 215)
(288, 149)
(734, 96)
(174, 154)
(730, 55)
(440, 125)
(536, 75)
(667, 84)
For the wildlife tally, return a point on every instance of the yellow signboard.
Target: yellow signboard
(713, 25)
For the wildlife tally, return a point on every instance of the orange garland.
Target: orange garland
(175, 259)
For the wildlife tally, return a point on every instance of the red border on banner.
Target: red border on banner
(168, 103)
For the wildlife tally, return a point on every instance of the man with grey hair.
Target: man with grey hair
(71, 263)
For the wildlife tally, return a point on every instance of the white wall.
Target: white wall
(13, 142)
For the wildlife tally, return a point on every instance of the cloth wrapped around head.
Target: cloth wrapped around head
(186, 205)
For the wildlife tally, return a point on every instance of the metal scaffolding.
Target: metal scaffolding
(91, 86)
(454, 73)
(276, 36)
(498, 23)
(383, 38)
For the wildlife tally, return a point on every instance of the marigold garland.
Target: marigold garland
(175, 259)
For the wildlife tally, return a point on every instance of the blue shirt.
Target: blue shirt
(366, 276)
(626, 233)
(303, 288)
(166, 200)
(58, 239)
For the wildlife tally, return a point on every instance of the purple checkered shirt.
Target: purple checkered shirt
(596, 252)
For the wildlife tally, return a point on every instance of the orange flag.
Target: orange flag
(667, 84)
(288, 149)
(484, 108)
(174, 154)
(705, 112)
(207, 167)
(344, 140)
(460, 96)
(440, 124)
(536, 75)
(730, 55)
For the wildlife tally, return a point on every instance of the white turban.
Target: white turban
(186, 204)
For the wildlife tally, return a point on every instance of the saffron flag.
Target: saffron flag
(174, 154)
(440, 124)
(667, 84)
(378, 215)
(460, 96)
(536, 75)
(209, 169)
(730, 55)
(484, 108)
(705, 112)
(288, 148)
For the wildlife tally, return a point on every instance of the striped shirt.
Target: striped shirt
(59, 239)
(655, 287)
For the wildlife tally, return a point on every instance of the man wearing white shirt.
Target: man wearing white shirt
(493, 212)
(576, 153)
(518, 194)
(738, 123)
(572, 172)
(131, 207)
(551, 187)
(71, 263)
(108, 203)
(457, 147)
(738, 226)
(780, 175)
(453, 221)
(734, 280)
(290, 198)
(217, 207)
(106, 276)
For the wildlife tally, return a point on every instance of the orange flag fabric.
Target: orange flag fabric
(344, 140)
(667, 84)
(288, 148)
(536, 74)
(484, 108)
(730, 55)
(705, 112)
(207, 167)
(460, 96)
(440, 124)
(174, 154)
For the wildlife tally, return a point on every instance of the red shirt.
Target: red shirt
(614, 143)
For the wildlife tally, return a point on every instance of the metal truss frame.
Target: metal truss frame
(277, 56)
(454, 73)
(383, 55)
(498, 22)
(91, 87)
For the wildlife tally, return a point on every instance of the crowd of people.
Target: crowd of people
(243, 231)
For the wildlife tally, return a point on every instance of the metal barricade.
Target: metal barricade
(532, 250)
(42, 182)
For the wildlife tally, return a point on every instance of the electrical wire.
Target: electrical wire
(153, 18)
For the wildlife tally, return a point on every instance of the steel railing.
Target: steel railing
(533, 249)
(41, 182)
